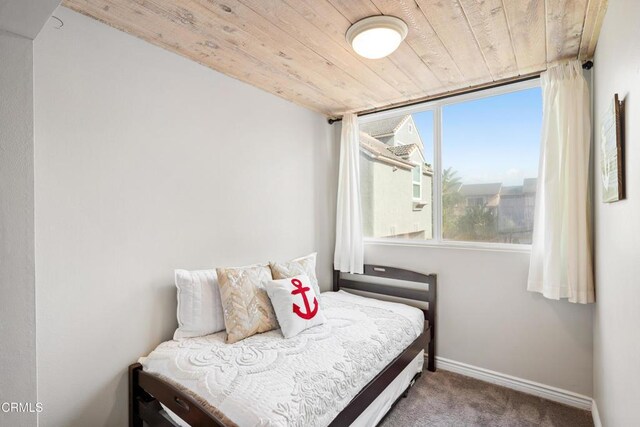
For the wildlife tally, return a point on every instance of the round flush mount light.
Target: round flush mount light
(377, 36)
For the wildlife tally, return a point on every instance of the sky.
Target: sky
(494, 139)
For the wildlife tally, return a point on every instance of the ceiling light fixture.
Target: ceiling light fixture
(377, 36)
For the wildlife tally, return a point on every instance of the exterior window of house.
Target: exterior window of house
(417, 182)
(457, 171)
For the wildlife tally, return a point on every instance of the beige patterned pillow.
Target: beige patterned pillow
(246, 305)
(304, 265)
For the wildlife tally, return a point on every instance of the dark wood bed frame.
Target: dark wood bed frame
(147, 391)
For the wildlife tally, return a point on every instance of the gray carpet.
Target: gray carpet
(446, 399)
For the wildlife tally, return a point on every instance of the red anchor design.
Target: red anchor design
(303, 290)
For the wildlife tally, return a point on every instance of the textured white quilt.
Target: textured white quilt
(266, 380)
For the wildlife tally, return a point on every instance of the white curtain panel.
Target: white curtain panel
(349, 252)
(561, 265)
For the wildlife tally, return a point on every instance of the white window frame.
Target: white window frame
(436, 106)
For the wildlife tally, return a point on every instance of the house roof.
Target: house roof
(489, 189)
(381, 150)
(528, 186)
(513, 190)
(403, 150)
(392, 155)
(384, 126)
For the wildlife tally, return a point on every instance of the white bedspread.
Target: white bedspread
(266, 380)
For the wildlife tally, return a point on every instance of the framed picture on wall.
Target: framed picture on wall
(612, 152)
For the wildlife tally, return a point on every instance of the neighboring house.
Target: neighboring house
(487, 195)
(396, 182)
(512, 206)
(515, 213)
(394, 132)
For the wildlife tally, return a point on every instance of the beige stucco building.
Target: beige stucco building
(396, 182)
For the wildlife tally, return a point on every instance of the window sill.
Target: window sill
(475, 246)
(418, 204)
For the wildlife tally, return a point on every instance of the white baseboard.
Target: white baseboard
(595, 414)
(530, 387)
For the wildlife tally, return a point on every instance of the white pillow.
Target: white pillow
(199, 304)
(295, 303)
(303, 265)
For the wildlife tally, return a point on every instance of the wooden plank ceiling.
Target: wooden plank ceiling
(296, 49)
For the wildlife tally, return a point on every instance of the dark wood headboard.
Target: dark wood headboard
(425, 293)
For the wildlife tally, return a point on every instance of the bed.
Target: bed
(349, 371)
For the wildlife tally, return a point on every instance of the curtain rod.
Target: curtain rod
(587, 66)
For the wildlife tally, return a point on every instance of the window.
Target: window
(465, 170)
(490, 163)
(417, 182)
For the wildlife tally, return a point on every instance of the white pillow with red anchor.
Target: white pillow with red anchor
(295, 303)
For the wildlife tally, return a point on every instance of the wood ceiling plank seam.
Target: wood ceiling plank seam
(329, 52)
(342, 46)
(354, 11)
(423, 41)
(527, 24)
(313, 100)
(600, 18)
(564, 28)
(166, 12)
(513, 48)
(454, 32)
(598, 25)
(408, 60)
(313, 11)
(590, 28)
(236, 38)
(475, 38)
(586, 30)
(350, 19)
(261, 34)
(406, 15)
(404, 58)
(582, 27)
(411, 63)
(546, 35)
(488, 24)
(283, 91)
(338, 53)
(254, 40)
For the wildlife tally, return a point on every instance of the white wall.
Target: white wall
(25, 17)
(17, 268)
(146, 162)
(617, 320)
(489, 320)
